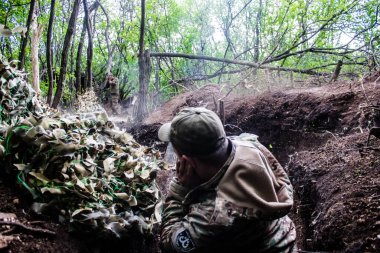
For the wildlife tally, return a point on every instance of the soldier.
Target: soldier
(229, 194)
(113, 85)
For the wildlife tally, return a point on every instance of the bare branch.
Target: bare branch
(241, 10)
(333, 64)
(25, 227)
(314, 50)
(206, 77)
(106, 34)
(279, 40)
(238, 62)
(321, 28)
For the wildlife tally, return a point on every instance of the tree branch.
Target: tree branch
(106, 34)
(314, 50)
(322, 27)
(25, 227)
(206, 77)
(238, 62)
(240, 11)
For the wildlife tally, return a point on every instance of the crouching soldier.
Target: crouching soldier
(229, 194)
(113, 85)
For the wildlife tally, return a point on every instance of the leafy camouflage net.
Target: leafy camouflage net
(87, 102)
(83, 169)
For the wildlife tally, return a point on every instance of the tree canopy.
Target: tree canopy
(189, 42)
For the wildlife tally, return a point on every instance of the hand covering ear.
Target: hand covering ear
(186, 173)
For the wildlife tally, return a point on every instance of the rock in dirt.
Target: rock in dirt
(5, 240)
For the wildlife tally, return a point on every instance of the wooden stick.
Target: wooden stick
(221, 111)
(18, 224)
(292, 79)
(337, 71)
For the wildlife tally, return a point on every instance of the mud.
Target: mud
(318, 133)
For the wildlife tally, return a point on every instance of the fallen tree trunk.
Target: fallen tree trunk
(238, 62)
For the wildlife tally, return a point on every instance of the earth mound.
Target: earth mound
(338, 186)
(320, 134)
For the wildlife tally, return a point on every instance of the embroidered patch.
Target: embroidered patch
(184, 242)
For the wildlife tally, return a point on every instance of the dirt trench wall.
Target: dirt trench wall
(285, 121)
(335, 177)
(288, 122)
(338, 186)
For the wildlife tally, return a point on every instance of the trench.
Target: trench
(283, 144)
(290, 124)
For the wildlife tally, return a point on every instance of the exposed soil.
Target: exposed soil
(316, 132)
(338, 185)
(12, 201)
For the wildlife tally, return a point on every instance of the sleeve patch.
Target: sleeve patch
(184, 242)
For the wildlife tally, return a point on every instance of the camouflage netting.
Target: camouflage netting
(82, 169)
(87, 102)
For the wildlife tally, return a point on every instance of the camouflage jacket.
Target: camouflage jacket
(243, 208)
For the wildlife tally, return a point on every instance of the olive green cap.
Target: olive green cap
(194, 131)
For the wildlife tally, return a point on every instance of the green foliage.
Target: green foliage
(218, 28)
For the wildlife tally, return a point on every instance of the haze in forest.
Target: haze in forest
(190, 43)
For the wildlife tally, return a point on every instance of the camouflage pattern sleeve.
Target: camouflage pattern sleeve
(186, 230)
(173, 212)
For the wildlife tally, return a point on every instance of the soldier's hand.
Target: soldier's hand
(186, 174)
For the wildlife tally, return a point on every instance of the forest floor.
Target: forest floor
(318, 133)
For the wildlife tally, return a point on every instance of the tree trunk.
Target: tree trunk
(24, 40)
(337, 71)
(71, 80)
(5, 42)
(65, 52)
(256, 52)
(109, 48)
(144, 69)
(144, 76)
(80, 87)
(157, 95)
(49, 56)
(9, 48)
(89, 45)
(36, 34)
